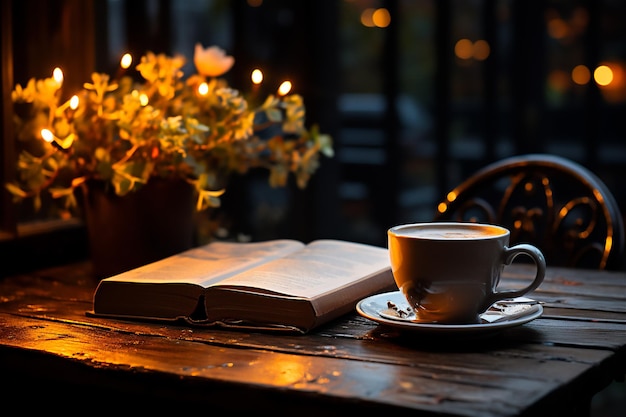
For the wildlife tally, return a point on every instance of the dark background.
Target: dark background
(410, 117)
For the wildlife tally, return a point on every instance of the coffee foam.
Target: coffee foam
(434, 231)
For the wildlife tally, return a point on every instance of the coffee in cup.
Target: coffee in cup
(449, 271)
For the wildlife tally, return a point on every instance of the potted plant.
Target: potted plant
(119, 136)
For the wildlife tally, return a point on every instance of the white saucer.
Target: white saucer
(507, 314)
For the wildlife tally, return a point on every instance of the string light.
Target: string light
(257, 76)
(284, 88)
(126, 61)
(203, 89)
(57, 74)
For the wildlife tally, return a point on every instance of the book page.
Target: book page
(209, 264)
(320, 267)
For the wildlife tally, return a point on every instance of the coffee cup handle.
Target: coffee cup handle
(510, 254)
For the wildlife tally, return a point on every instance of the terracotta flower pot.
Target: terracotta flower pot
(141, 227)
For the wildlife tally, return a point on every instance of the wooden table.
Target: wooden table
(52, 356)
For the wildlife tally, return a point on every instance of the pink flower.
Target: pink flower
(212, 61)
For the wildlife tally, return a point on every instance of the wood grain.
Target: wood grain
(50, 346)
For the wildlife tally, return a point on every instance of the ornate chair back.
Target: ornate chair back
(549, 201)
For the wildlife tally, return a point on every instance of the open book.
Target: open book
(279, 284)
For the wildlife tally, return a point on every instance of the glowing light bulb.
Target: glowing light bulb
(57, 74)
(47, 135)
(257, 76)
(126, 60)
(284, 88)
(74, 102)
(203, 89)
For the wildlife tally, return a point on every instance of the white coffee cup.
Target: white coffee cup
(449, 271)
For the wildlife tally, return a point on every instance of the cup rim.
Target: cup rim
(394, 230)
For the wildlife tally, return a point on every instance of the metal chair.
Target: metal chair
(546, 200)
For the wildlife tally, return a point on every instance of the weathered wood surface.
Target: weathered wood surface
(52, 351)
